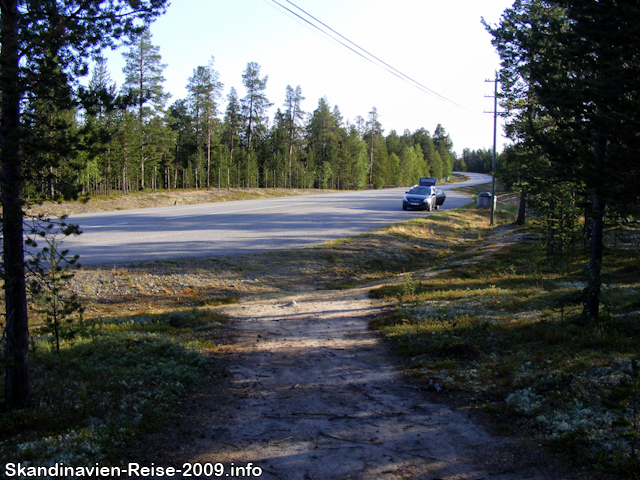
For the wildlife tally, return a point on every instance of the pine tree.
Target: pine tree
(353, 160)
(101, 119)
(294, 116)
(444, 147)
(395, 144)
(569, 78)
(204, 90)
(143, 84)
(412, 166)
(53, 60)
(374, 133)
(183, 130)
(102, 87)
(436, 165)
(423, 138)
(322, 137)
(275, 151)
(255, 103)
(254, 108)
(232, 125)
(53, 137)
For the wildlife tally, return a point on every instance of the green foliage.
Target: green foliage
(38, 135)
(323, 136)
(408, 287)
(143, 76)
(254, 104)
(559, 210)
(130, 142)
(504, 330)
(572, 106)
(121, 377)
(49, 280)
(326, 174)
(436, 165)
(354, 164)
(143, 85)
(477, 160)
(625, 399)
(412, 166)
(96, 394)
(443, 145)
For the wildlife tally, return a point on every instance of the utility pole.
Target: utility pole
(493, 159)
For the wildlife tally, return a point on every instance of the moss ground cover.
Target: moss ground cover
(121, 377)
(503, 333)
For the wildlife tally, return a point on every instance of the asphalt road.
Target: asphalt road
(253, 226)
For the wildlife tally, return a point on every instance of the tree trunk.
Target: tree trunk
(208, 150)
(591, 308)
(141, 110)
(371, 163)
(17, 384)
(108, 185)
(592, 291)
(124, 167)
(521, 209)
(290, 153)
(141, 185)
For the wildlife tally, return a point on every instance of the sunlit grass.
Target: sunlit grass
(164, 198)
(504, 332)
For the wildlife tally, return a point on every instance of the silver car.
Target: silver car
(420, 198)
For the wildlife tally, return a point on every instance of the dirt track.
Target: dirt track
(315, 395)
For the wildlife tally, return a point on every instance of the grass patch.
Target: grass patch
(122, 377)
(164, 198)
(502, 333)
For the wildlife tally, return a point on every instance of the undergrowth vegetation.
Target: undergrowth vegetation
(123, 376)
(504, 333)
(484, 312)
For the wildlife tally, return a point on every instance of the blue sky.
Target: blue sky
(441, 44)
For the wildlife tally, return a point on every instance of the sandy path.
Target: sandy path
(316, 395)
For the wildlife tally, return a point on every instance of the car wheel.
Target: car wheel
(404, 207)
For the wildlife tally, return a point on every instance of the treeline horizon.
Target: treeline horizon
(127, 139)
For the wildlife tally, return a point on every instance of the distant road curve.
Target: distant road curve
(252, 226)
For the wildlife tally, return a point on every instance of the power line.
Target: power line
(363, 53)
(322, 31)
(415, 82)
(305, 23)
